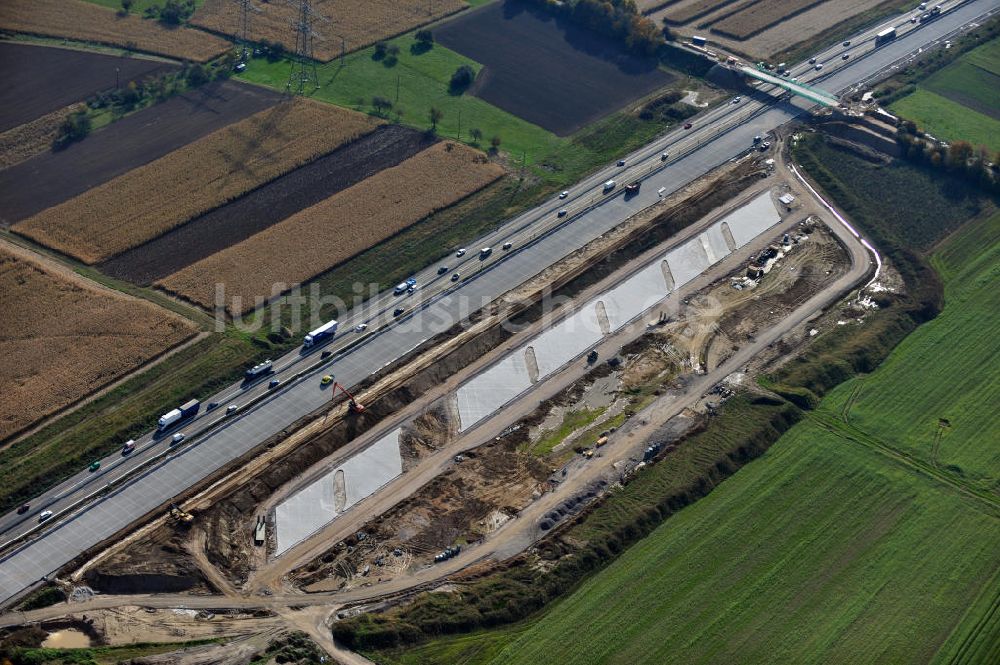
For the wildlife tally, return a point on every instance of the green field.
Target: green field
(945, 119)
(853, 539)
(418, 82)
(960, 101)
(927, 400)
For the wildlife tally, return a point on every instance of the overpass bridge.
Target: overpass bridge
(812, 94)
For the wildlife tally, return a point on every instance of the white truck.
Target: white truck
(325, 331)
(186, 410)
(608, 186)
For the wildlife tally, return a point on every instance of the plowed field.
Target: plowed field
(69, 76)
(214, 231)
(358, 24)
(85, 21)
(155, 198)
(62, 338)
(318, 238)
(50, 178)
(548, 71)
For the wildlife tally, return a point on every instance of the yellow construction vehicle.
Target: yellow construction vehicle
(180, 516)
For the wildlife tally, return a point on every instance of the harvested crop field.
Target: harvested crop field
(62, 338)
(318, 238)
(546, 70)
(69, 76)
(790, 23)
(153, 199)
(51, 178)
(281, 198)
(761, 15)
(358, 24)
(87, 22)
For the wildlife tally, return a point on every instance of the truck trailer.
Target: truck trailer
(259, 370)
(885, 36)
(325, 331)
(184, 411)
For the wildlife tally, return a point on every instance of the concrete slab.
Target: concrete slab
(635, 295)
(687, 261)
(487, 392)
(313, 507)
(752, 219)
(572, 336)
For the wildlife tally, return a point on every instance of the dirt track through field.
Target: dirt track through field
(550, 72)
(216, 230)
(69, 76)
(54, 177)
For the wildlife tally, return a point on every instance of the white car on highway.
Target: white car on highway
(177, 438)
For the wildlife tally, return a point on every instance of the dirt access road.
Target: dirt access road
(519, 533)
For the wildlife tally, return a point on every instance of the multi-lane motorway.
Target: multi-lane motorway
(538, 237)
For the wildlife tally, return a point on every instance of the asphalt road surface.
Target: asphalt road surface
(539, 239)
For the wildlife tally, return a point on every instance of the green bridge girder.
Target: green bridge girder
(812, 94)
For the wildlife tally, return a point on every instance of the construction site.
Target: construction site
(488, 440)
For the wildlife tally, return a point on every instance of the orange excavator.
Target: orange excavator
(354, 406)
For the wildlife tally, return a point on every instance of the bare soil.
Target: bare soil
(68, 76)
(547, 70)
(156, 563)
(262, 208)
(51, 178)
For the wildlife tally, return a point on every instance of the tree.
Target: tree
(424, 36)
(380, 50)
(495, 143)
(461, 79)
(74, 128)
(476, 134)
(435, 116)
(196, 75)
(126, 7)
(959, 153)
(175, 12)
(381, 104)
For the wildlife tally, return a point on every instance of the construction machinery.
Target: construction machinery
(179, 515)
(353, 405)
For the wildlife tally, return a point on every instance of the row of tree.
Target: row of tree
(958, 157)
(620, 19)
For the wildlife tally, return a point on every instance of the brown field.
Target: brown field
(152, 199)
(815, 24)
(359, 24)
(760, 16)
(62, 338)
(686, 12)
(85, 21)
(316, 239)
(20, 143)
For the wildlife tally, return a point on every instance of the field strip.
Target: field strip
(214, 231)
(149, 201)
(318, 238)
(86, 21)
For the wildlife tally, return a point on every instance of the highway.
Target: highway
(539, 239)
